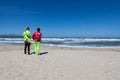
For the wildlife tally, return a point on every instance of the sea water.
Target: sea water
(67, 42)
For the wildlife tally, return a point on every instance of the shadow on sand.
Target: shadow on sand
(40, 53)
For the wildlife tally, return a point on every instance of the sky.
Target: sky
(61, 18)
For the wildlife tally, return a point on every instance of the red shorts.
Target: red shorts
(25, 42)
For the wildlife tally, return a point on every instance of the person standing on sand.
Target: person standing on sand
(27, 40)
(37, 40)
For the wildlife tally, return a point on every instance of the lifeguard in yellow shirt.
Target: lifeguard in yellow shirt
(27, 40)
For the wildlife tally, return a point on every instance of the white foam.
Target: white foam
(93, 40)
(63, 42)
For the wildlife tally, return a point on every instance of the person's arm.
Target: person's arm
(30, 35)
(25, 36)
(33, 36)
(40, 37)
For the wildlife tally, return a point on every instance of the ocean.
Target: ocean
(68, 42)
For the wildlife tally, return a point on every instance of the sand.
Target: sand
(60, 64)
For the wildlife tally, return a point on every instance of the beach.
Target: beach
(59, 63)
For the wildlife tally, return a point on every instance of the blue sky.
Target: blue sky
(61, 18)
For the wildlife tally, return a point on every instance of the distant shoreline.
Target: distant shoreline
(10, 36)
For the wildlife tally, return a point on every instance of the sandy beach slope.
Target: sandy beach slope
(60, 64)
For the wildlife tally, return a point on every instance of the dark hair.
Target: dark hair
(38, 29)
(27, 28)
